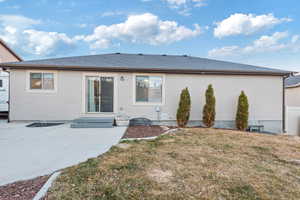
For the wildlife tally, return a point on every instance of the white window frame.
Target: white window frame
(149, 103)
(28, 88)
(100, 74)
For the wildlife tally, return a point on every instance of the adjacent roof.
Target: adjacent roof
(120, 62)
(10, 50)
(292, 81)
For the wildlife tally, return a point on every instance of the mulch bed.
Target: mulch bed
(22, 190)
(143, 131)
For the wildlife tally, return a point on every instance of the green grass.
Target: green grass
(189, 164)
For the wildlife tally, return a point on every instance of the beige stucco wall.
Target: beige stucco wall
(264, 93)
(6, 56)
(292, 96)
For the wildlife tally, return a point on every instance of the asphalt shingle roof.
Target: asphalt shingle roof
(292, 81)
(145, 62)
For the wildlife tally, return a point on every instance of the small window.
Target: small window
(1, 83)
(148, 89)
(41, 81)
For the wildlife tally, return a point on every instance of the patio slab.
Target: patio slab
(26, 153)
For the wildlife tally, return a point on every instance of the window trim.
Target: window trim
(149, 103)
(28, 89)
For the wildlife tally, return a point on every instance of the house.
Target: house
(292, 99)
(139, 85)
(292, 91)
(6, 55)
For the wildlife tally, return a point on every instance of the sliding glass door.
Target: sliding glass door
(99, 94)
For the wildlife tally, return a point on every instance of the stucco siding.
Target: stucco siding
(292, 96)
(264, 94)
(6, 56)
(64, 104)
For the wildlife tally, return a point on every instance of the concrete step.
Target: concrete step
(91, 125)
(94, 120)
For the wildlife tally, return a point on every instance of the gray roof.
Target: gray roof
(292, 81)
(145, 63)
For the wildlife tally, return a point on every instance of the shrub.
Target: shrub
(184, 107)
(242, 113)
(209, 109)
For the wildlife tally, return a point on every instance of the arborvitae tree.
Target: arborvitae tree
(242, 114)
(209, 109)
(184, 107)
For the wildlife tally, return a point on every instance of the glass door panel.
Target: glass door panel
(93, 94)
(107, 94)
(99, 94)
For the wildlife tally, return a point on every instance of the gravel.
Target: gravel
(22, 190)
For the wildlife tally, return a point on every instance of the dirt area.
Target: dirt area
(143, 131)
(196, 163)
(22, 190)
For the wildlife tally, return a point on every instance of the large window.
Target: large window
(41, 81)
(148, 89)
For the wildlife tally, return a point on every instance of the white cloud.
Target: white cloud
(176, 3)
(267, 43)
(242, 24)
(46, 43)
(144, 28)
(199, 3)
(184, 6)
(17, 21)
(18, 31)
(112, 13)
(2, 1)
(21, 32)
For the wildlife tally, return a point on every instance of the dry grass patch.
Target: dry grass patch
(191, 164)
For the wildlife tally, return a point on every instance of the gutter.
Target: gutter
(137, 70)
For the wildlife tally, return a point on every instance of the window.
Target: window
(148, 89)
(41, 81)
(1, 83)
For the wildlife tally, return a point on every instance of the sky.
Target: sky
(258, 32)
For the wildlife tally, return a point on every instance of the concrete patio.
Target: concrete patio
(26, 153)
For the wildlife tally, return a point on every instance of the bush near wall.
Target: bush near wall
(209, 110)
(242, 113)
(184, 108)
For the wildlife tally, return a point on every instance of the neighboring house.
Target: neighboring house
(292, 99)
(292, 91)
(139, 85)
(6, 55)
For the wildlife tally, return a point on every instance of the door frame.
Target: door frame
(115, 97)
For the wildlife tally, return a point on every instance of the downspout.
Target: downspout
(8, 102)
(283, 104)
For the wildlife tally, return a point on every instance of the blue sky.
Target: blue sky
(259, 32)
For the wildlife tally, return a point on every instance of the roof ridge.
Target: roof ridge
(146, 61)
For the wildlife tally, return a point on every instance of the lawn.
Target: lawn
(194, 163)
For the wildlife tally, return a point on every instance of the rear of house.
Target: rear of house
(6, 55)
(292, 99)
(137, 85)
